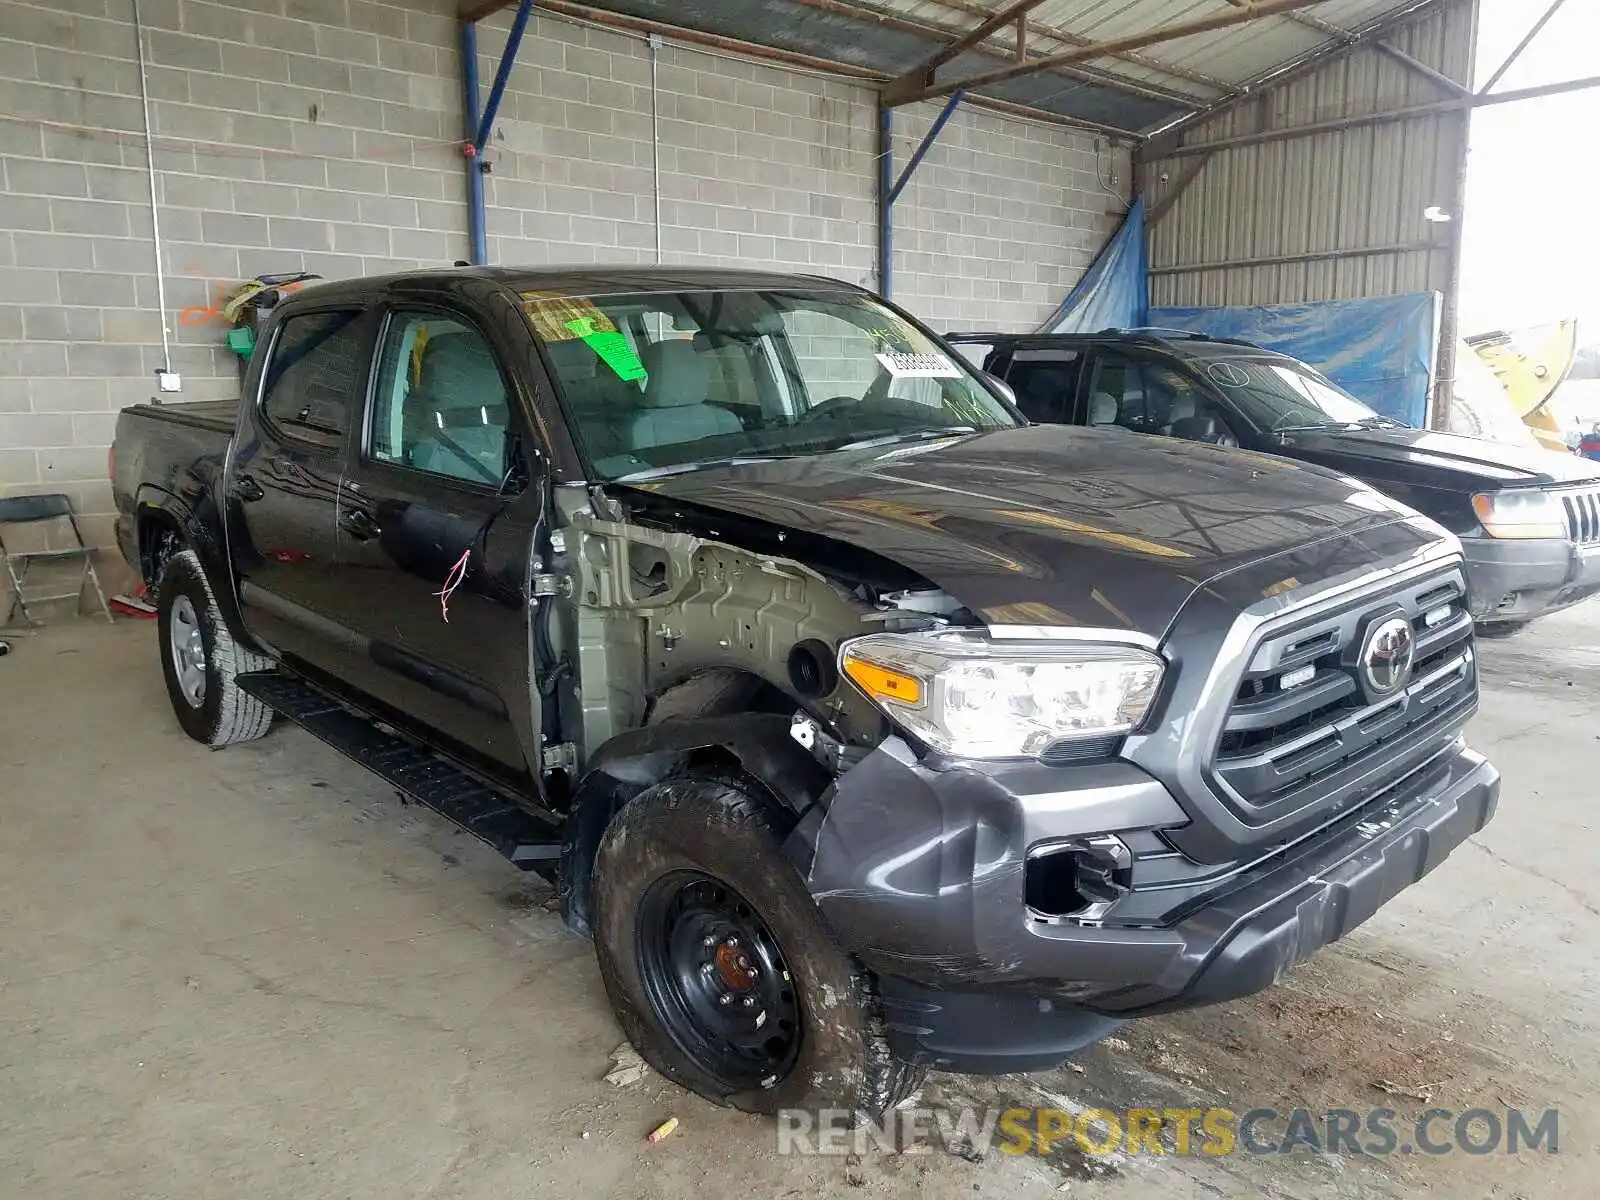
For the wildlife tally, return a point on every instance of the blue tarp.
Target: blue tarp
(1114, 292)
(1381, 350)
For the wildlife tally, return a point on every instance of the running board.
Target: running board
(420, 774)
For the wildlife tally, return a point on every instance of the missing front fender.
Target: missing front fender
(756, 745)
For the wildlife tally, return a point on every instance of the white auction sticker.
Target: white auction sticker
(919, 366)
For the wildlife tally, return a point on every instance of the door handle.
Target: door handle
(359, 524)
(247, 489)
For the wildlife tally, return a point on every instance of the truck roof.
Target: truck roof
(587, 280)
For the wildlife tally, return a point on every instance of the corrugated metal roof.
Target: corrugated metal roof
(1329, 216)
(1137, 91)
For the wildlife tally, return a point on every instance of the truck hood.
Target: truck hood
(1053, 526)
(1429, 459)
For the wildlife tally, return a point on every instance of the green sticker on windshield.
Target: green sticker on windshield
(568, 318)
(611, 345)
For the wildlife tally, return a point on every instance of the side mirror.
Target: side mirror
(1001, 386)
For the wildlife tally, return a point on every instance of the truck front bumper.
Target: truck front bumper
(1515, 580)
(920, 872)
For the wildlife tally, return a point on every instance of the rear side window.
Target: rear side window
(1045, 383)
(315, 376)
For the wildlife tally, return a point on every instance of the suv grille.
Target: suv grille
(1582, 508)
(1325, 736)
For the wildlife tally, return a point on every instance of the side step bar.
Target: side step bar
(429, 779)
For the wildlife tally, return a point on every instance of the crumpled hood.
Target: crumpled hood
(1048, 525)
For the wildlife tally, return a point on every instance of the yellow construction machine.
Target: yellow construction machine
(1531, 364)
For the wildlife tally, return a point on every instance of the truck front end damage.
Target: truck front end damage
(1071, 766)
(1015, 910)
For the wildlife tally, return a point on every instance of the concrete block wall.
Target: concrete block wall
(769, 166)
(324, 135)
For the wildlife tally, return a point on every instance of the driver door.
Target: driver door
(436, 524)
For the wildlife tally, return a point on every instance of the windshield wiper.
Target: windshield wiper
(1376, 422)
(916, 435)
(700, 464)
(743, 460)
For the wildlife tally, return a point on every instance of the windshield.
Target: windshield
(1279, 395)
(669, 380)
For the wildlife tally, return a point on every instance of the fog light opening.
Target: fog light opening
(1077, 880)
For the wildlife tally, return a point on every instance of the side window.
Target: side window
(440, 403)
(1151, 397)
(315, 376)
(1045, 383)
(1118, 397)
(1183, 409)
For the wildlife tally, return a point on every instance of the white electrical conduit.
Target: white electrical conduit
(655, 137)
(155, 210)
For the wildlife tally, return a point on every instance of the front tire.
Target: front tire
(201, 661)
(719, 966)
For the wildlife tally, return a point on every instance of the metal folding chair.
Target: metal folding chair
(27, 510)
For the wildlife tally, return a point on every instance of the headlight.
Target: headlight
(968, 696)
(1520, 514)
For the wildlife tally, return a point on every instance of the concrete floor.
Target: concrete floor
(255, 973)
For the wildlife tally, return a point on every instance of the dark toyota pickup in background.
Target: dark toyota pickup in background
(863, 726)
(1529, 520)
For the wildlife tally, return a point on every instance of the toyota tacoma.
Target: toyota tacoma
(863, 726)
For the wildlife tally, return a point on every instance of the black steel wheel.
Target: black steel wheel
(719, 965)
(717, 980)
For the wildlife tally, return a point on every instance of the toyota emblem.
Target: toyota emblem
(1386, 658)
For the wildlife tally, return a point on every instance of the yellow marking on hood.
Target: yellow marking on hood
(1126, 541)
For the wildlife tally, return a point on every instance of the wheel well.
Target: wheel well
(715, 692)
(159, 539)
(745, 746)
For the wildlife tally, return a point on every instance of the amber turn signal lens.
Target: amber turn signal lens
(882, 683)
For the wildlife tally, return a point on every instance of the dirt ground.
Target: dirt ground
(256, 973)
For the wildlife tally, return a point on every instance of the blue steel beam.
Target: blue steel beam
(889, 188)
(928, 139)
(508, 59)
(885, 203)
(477, 218)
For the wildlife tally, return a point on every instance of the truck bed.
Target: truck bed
(176, 450)
(218, 415)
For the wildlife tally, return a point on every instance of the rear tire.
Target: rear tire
(200, 660)
(692, 893)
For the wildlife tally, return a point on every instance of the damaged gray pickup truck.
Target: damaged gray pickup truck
(863, 726)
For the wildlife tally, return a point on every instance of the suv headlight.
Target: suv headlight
(1520, 514)
(966, 695)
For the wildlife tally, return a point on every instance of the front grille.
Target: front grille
(1285, 748)
(1581, 507)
